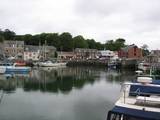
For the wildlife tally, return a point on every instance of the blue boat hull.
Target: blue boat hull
(9, 71)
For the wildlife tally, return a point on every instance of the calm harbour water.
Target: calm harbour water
(71, 93)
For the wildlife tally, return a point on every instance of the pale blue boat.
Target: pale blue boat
(9, 68)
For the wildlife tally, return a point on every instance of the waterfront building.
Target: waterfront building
(157, 54)
(85, 53)
(66, 55)
(107, 54)
(153, 57)
(47, 52)
(36, 53)
(14, 49)
(31, 53)
(131, 51)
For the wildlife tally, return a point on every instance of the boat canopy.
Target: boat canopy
(133, 114)
(144, 90)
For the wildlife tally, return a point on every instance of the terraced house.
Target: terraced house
(131, 51)
(14, 49)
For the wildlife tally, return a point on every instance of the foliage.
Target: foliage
(1, 38)
(145, 50)
(66, 42)
(63, 42)
(55, 54)
(8, 35)
(115, 45)
(80, 42)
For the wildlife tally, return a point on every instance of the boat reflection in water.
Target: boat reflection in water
(49, 79)
(65, 93)
(64, 79)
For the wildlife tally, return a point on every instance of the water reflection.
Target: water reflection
(119, 76)
(60, 79)
(70, 93)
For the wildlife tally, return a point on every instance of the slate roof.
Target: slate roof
(31, 48)
(125, 49)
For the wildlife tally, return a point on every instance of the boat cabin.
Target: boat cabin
(139, 101)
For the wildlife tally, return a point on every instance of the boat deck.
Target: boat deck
(141, 103)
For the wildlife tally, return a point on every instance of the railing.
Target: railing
(142, 98)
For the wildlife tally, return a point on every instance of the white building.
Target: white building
(108, 54)
(31, 53)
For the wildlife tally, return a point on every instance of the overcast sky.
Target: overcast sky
(137, 21)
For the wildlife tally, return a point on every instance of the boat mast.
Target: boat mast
(45, 50)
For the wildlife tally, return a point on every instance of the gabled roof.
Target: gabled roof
(31, 48)
(125, 49)
(13, 42)
(85, 50)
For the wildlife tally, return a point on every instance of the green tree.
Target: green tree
(99, 46)
(91, 43)
(19, 37)
(145, 50)
(66, 41)
(55, 54)
(115, 45)
(119, 43)
(109, 45)
(27, 39)
(1, 38)
(42, 38)
(8, 34)
(80, 42)
(35, 40)
(54, 40)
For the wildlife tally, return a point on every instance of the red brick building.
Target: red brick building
(131, 51)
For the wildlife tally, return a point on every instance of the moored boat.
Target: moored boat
(12, 68)
(20, 63)
(144, 66)
(139, 101)
(51, 64)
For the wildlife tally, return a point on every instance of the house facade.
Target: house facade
(66, 56)
(84, 53)
(107, 54)
(31, 53)
(154, 57)
(36, 53)
(131, 51)
(14, 49)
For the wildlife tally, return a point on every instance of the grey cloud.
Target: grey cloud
(99, 7)
(135, 20)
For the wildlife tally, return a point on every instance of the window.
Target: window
(116, 116)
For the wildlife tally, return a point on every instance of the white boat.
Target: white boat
(12, 68)
(139, 101)
(51, 64)
(2, 69)
(143, 66)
